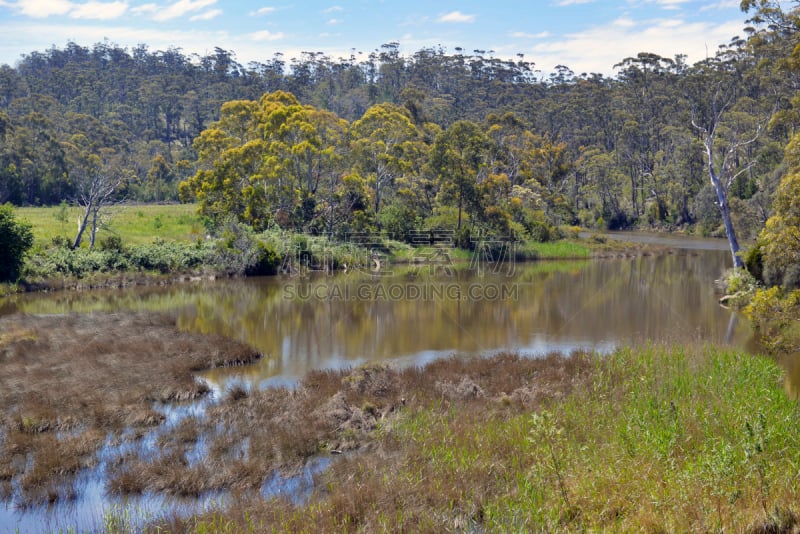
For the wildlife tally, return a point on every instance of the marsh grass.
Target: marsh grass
(555, 250)
(67, 382)
(683, 439)
(651, 439)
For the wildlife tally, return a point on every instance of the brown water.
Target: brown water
(304, 323)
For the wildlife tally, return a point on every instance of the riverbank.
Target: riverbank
(165, 263)
(654, 438)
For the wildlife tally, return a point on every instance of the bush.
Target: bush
(166, 256)
(754, 261)
(267, 261)
(16, 238)
(79, 262)
(739, 281)
(113, 243)
(774, 312)
(398, 221)
(536, 226)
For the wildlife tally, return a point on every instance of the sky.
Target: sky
(587, 36)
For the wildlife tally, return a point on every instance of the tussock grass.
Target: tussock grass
(652, 439)
(66, 382)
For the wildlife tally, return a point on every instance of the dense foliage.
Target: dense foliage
(370, 141)
(16, 238)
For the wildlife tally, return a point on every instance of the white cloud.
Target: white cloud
(43, 8)
(263, 11)
(333, 9)
(181, 8)
(564, 3)
(145, 8)
(599, 48)
(333, 22)
(723, 4)
(671, 4)
(624, 22)
(526, 35)
(99, 10)
(456, 16)
(265, 35)
(208, 15)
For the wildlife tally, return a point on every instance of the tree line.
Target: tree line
(462, 140)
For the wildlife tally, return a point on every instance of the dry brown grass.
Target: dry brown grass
(67, 381)
(335, 412)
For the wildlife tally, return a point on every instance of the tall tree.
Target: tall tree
(459, 157)
(385, 141)
(712, 91)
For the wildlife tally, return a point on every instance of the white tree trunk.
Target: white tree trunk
(722, 202)
(83, 221)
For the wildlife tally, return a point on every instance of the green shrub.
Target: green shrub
(16, 238)
(79, 262)
(267, 261)
(535, 223)
(774, 312)
(167, 256)
(113, 243)
(754, 261)
(398, 221)
(739, 281)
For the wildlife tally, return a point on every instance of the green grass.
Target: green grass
(556, 250)
(653, 439)
(135, 224)
(662, 439)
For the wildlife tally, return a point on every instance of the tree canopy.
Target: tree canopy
(369, 141)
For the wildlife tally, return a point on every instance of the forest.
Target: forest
(457, 140)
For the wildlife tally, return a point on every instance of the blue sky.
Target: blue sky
(585, 35)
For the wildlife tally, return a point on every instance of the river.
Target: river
(413, 314)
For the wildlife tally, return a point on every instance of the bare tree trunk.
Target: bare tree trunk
(722, 202)
(93, 234)
(728, 163)
(82, 222)
(96, 193)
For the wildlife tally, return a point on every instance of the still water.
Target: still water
(417, 314)
(414, 315)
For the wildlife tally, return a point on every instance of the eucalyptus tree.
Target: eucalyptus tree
(459, 159)
(265, 162)
(385, 143)
(726, 135)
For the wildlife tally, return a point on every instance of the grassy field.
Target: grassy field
(133, 223)
(137, 224)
